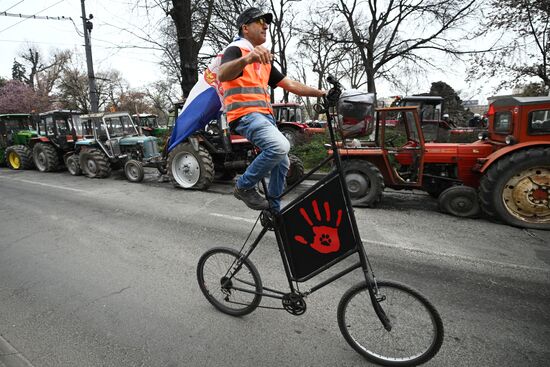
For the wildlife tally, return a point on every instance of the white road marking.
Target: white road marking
(240, 219)
(418, 251)
(45, 184)
(455, 256)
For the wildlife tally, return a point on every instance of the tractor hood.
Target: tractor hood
(133, 140)
(452, 152)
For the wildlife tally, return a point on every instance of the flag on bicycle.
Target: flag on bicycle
(205, 100)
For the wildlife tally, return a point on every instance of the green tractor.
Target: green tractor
(149, 125)
(16, 130)
(56, 139)
(112, 142)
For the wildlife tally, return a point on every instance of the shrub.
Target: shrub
(313, 151)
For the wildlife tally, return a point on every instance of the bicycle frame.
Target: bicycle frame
(277, 223)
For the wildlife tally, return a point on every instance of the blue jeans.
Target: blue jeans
(262, 131)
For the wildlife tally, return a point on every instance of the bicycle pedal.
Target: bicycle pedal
(267, 219)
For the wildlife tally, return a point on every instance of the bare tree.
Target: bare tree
(191, 20)
(42, 74)
(223, 25)
(399, 32)
(282, 31)
(316, 52)
(522, 28)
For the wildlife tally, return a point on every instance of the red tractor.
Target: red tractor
(290, 121)
(434, 126)
(506, 173)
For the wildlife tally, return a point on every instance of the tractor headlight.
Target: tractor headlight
(510, 140)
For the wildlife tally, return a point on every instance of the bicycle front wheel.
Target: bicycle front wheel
(417, 330)
(229, 282)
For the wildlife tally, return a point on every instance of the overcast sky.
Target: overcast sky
(138, 66)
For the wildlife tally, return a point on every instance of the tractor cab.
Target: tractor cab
(59, 128)
(430, 111)
(149, 124)
(290, 121)
(518, 120)
(11, 124)
(109, 129)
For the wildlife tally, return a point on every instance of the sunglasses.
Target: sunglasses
(260, 21)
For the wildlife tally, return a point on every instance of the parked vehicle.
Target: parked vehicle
(16, 130)
(55, 140)
(507, 170)
(434, 127)
(149, 125)
(290, 121)
(215, 152)
(113, 142)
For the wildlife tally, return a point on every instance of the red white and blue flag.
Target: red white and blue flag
(205, 100)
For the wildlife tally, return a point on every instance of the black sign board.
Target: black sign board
(316, 230)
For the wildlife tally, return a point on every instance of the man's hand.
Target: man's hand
(259, 54)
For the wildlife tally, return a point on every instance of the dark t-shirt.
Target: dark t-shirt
(233, 53)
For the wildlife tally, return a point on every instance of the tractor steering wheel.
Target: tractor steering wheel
(390, 141)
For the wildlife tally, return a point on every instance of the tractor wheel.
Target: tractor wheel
(190, 169)
(73, 165)
(134, 171)
(291, 135)
(94, 163)
(19, 157)
(45, 157)
(364, 181)
(295, 171)
(460, 201)
(516, 189)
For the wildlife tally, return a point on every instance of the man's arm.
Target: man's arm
(232, 69)
(300, 89)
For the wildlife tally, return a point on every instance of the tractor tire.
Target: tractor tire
(73, 165)
(364, 181)
(295, 171)
(190, 169)
(19, 157)
(45, 157)
(292, 135)
(133, 170)
(460, 201)
(516, 189)
(94, 164)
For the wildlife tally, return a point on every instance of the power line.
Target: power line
(32, 16)
(13, 6)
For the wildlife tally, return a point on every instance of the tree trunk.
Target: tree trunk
(181, 15)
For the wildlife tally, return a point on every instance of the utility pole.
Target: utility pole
(94, 100)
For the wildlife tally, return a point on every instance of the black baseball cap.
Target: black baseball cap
(250, 15)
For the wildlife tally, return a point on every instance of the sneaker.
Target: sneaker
(251, 198)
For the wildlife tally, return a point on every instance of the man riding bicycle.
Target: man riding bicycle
(245, 73)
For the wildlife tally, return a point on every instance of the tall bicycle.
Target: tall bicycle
(387, 322)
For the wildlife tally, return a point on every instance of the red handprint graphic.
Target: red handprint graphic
(326, 238)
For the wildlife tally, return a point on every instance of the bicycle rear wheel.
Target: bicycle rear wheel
(417, 329)
(229, 282)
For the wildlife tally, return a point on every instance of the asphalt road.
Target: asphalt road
(102, 273)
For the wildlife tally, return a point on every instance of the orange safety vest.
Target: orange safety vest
(248, 93)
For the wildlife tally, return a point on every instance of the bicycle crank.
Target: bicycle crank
(294, 304)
